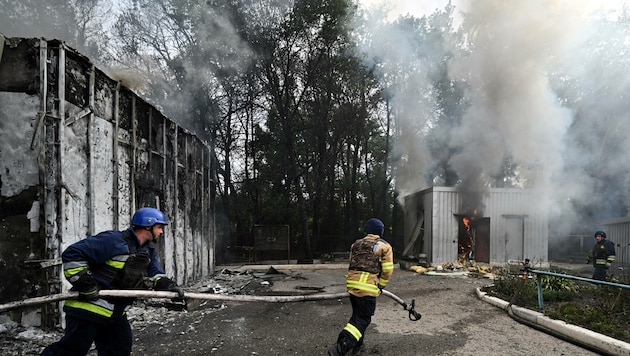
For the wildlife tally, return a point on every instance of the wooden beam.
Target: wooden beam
(414, 236)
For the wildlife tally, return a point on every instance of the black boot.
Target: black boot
(334, 351)
(339, 349)
(358, 348)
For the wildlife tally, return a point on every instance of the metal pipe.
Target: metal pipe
(567, 276)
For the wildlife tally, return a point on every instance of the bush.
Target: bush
(603, 309)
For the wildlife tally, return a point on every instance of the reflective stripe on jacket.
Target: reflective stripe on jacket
(603, 253)
(362, 283)
(105, 255)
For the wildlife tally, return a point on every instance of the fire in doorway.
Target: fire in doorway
(473, 238)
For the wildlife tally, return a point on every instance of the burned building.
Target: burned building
(442, 226)
(79, 153)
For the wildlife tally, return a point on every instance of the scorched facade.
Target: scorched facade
(79, 153)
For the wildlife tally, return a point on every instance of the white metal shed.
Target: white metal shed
(509, 226)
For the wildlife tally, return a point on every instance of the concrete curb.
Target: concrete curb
(584, 336)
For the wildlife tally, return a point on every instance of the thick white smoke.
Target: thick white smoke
(543, 87)
(513, 113)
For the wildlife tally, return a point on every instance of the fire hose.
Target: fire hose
(413, 315)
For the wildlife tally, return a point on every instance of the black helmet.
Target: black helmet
(603, 234)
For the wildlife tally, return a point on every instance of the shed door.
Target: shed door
(482, 240)
(514, 238)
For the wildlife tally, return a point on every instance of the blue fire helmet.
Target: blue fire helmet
(374, 226)
(148, 217)
(601, 233)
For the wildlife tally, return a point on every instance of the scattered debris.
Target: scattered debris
(19, 340)
(450, 268)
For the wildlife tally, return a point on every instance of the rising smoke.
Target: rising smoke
(543, 85)
(514, 113)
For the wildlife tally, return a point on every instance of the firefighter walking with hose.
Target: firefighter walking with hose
(371, 267)
(110, 260)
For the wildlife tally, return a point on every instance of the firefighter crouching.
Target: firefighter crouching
(110, 260)
(602, 256)
(371, 267)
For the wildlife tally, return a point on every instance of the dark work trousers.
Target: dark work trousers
(599, 273)
(111, 339)
(362, 310)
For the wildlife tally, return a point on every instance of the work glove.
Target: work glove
(166, 284)
(90, 295)
(85, 284)
(608, 264)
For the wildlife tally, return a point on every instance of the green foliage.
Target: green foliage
(603, 309)
(514, 288)
(553, 283)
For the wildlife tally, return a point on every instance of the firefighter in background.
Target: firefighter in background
(602, 256)
(371, 267)
(110, 260)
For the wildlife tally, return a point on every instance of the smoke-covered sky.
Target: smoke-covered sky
(544, 86)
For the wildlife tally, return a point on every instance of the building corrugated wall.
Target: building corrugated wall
(618, 231)
(518, 228)
(79, 153)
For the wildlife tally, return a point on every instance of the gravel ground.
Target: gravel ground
(454, 320)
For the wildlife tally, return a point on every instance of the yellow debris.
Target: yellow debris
(419, 269)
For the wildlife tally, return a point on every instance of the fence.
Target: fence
(559, 275)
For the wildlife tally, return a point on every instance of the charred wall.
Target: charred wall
(79, 153)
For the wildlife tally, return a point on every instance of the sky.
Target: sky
(413, 7)
(420, 8)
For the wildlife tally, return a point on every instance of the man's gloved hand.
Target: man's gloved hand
(89, 296)
(166, 284)
(85, 284)
(177, 289)
(608, 264)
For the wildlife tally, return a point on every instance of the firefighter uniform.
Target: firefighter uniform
(371, 267)
(108, 260)
(603, 255)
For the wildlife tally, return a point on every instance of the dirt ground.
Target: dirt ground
(454, 320)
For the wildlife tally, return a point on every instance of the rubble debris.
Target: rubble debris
(420, 269)
(270, 273)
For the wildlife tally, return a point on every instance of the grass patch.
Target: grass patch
(603, 309)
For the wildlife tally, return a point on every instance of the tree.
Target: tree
(80, 23)
(315, 88)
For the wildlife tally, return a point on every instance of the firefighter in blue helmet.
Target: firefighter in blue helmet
(110, 260)
(371, 267)
(602, 256)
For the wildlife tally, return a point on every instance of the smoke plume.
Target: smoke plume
(542, 83)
